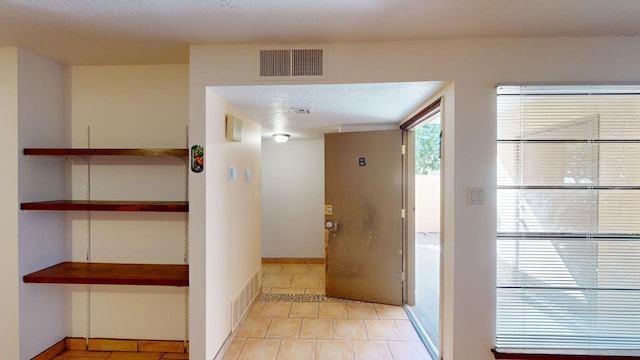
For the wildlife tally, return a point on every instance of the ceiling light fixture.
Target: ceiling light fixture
(281, 137)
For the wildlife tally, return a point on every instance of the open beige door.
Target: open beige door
(363, 196)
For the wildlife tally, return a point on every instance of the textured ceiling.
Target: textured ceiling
(159, 31)
(333, 108)
(96, 32)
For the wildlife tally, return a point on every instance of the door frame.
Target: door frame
(435, 107)
(409, 237)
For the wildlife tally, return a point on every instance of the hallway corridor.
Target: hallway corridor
(293, 320)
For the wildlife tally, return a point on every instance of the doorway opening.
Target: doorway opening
(423, 230)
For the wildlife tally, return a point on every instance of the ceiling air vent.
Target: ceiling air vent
(291, 63)
(301, 111)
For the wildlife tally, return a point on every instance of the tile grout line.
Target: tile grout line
(279, 347)
(353, 350)
(390, 351)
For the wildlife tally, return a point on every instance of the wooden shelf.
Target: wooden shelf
(105, 152)
(98, 205)
(111, 274)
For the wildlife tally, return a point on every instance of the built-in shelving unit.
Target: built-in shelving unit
(109, 273)
(112, 274)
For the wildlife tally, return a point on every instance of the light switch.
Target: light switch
(233, 173)
(248, 175)
(475, 195)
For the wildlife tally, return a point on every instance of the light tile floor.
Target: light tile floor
(318, 331)
(283, 330)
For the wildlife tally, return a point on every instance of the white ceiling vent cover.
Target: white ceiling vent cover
(291, 63)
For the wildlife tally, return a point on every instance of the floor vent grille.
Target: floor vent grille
(240, 305)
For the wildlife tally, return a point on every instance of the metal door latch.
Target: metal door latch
(332, 226)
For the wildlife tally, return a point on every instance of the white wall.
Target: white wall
(32, 104)
(201, 346)
(475, 66)
(293, 199)
(233, 216)
(225, 218)
(128, 107)
(41, 119)
(9, 154)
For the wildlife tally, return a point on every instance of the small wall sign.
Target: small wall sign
(197, 158)
(362, 161)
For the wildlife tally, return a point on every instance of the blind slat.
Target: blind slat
(568, 198)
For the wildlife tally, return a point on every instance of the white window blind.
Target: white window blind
(568, 271)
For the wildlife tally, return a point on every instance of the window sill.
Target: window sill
(498, 354)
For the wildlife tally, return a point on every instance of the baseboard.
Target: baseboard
(52, 351)
(319, 261)
(102, 344)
